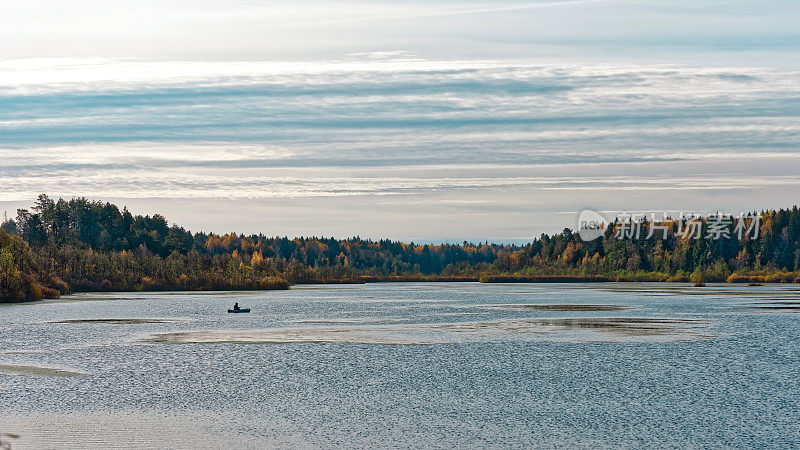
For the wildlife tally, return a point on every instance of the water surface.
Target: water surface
(424, 365)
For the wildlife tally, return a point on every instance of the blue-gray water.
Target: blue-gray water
(421, 365)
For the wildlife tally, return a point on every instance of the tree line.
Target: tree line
(61, 246)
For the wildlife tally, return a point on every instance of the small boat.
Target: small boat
(240, 310)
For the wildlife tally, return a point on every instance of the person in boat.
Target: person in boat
(236, 306)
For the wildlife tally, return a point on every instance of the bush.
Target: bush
(736, 278)
(50, 293)
(32, 289)
(697, 277)
(105, 286)
(272, 283)
(541, 279)
(60, 285)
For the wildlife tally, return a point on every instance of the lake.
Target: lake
(408, 365)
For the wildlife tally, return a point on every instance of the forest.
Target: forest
(80, 245)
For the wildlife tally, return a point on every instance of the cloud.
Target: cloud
(459, 10)
(506, 135)
(572, 30)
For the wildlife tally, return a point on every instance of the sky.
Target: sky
(425, 121)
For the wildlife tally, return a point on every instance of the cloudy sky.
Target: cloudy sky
(426, 121)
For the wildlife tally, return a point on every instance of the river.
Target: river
(406, 364)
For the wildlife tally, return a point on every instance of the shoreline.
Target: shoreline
(539, 279)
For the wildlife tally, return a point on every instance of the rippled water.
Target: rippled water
(423, 365)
